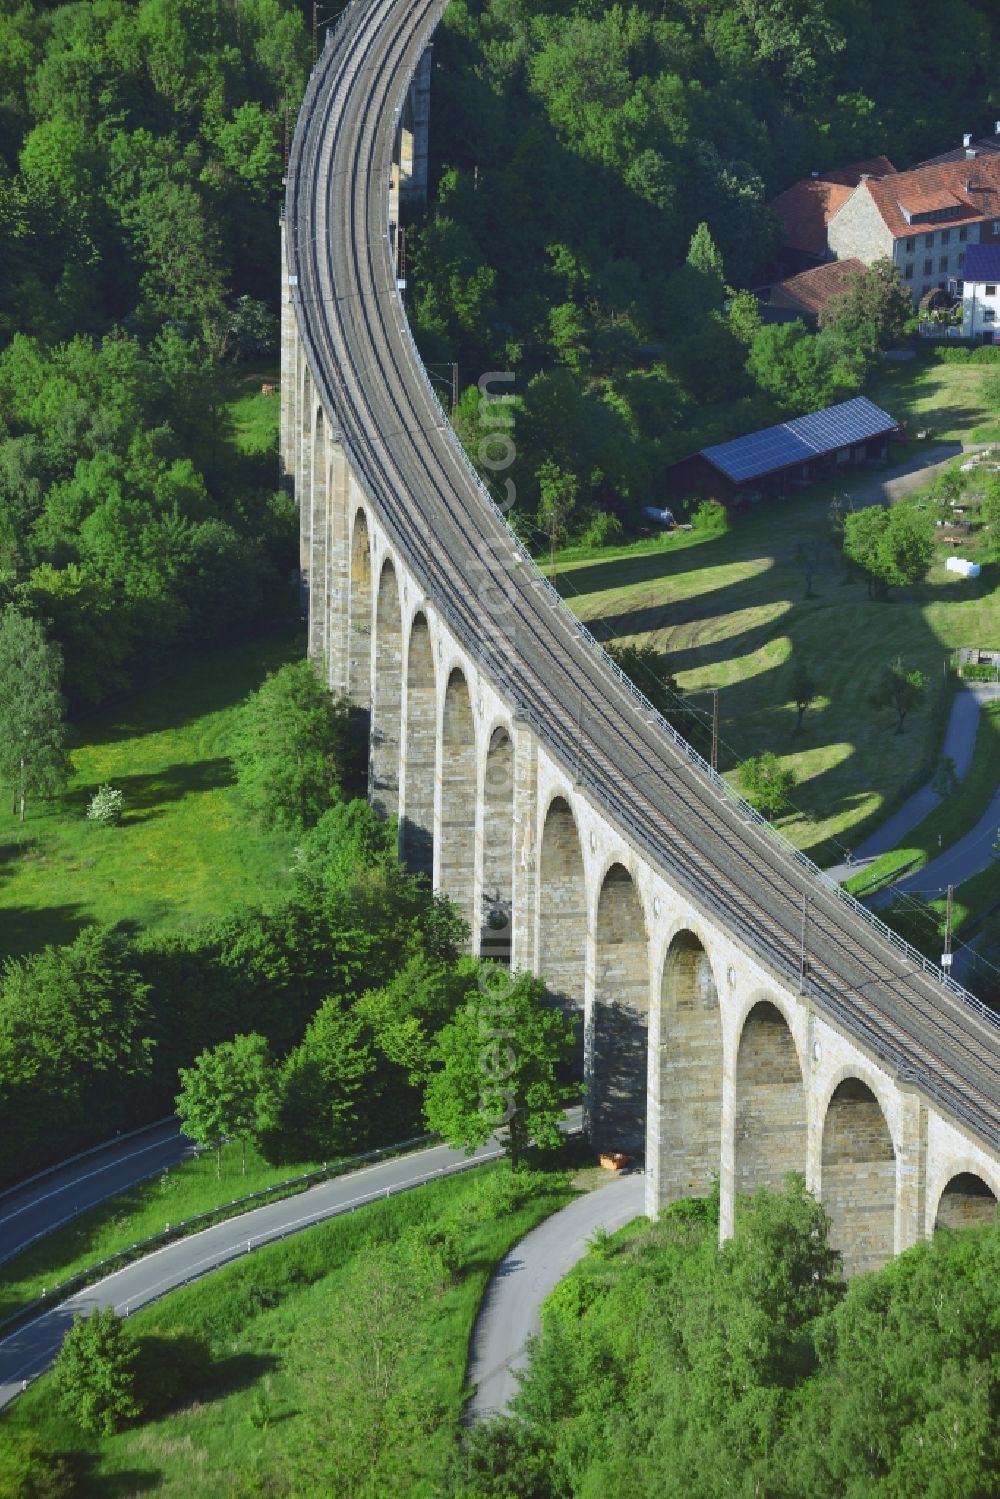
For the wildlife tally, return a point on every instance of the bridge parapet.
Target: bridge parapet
(738, 1015)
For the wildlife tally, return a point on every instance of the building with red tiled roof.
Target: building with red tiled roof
(922, 220)
(808, 293)
(806, 208)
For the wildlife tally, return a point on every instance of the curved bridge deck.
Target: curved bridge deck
(923, 1028)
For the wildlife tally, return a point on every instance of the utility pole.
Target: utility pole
(454, 385)
(946, 956)
(715, 728)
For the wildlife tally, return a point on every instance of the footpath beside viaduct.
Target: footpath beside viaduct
(741, 1017)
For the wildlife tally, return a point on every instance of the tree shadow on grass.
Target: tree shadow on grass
(193, 685)
(119, 1485)
(26, 929)
(238, 1372)
(145, 795)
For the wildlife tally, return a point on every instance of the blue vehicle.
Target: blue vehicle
(659, 517)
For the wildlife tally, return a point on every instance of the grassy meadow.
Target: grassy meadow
(731, 612)
(236, 1433)
(947, 399)
(185, 850)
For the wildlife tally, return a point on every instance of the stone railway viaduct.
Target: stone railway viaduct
(740, 1017)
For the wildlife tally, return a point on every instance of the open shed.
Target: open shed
(792, 454)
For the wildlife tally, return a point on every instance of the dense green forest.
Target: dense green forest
(140, 179)
(347, 979)
(578, 148)
(668, 1367)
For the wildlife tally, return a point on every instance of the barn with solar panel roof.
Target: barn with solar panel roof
(793, 454)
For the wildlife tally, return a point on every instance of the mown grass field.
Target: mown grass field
(185, 849)
(731, 613)
(252, 1314)
(187, 1189)
(946, 398)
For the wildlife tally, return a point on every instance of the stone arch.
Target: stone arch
(966, 1202)
(690, 1068)
(770, 1106)
(498, 847)
(420, 749)
(303, 487)
(858, 1177)
(457, 866)
(562, 914)
(387, 699)
(359, 621)
(318, 528)
(620, 1016)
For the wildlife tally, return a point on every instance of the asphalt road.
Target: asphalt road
(28, 1352)
(554, 676)
(511, 1308)
(31, 1211)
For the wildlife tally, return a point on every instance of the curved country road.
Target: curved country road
(28, 1352)
(30, 1211)
(511, 1309)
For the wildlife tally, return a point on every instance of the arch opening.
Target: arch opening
(359, 617)
(457, 867)
(387, 705)
(318, 526)
(770, 1115)
(966, 1202)
(420, 750)
(496, 917)
(562, 917)
(859, 1178)
(303, 487)
(690, 1068)
(620, 1017)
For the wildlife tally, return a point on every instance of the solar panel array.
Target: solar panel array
(982, 263)
(797, 441)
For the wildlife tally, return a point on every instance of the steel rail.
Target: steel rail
(636, 767)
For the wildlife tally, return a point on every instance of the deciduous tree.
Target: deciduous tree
(498, 1066)
(872, 310)
(292, 749)
(766, 783)
(899, 689)
(33, 756)
(804, 689)
(224, 1095)
(94, 1373)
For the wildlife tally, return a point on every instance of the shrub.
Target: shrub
(107, 806)
(711, 517)
(29, 1470)
(979, 673)
(95, 1373)
(602, 530)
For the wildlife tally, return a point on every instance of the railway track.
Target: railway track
(645, 778)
